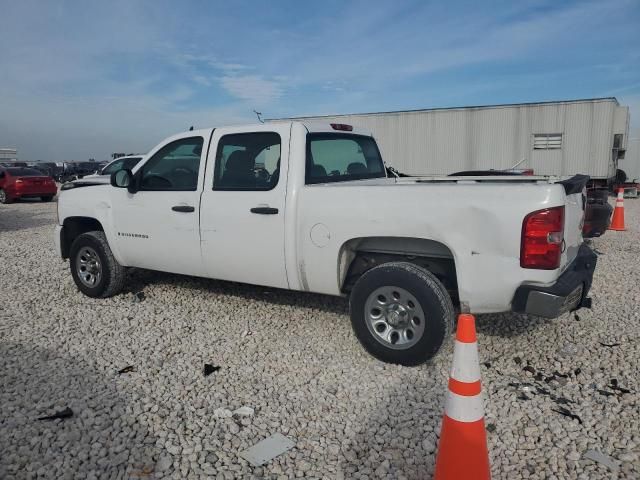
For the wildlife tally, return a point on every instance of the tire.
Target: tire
(4, 198)
(91, 252)
(47, 198)
(416, 302)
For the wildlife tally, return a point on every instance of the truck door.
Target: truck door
(157, 227)
(242, 217)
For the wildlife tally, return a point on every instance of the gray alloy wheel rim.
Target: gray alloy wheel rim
(88, 267)
(3, 196)
(394, 317)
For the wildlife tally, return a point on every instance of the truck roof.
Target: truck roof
(311, 126)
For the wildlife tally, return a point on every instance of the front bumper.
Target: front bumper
(567, 294)
(58, 239)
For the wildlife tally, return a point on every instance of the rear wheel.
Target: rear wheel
(95, 270)
(48, 198)
(4, 198)
(401, 313)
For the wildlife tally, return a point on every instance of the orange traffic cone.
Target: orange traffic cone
(462, 450)
(617, 221)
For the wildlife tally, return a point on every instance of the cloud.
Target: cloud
(126, 73)
(252, 88)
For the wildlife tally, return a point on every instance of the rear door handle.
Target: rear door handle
(183, 208)
(264, 210)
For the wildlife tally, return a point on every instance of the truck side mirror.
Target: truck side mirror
(124, 179)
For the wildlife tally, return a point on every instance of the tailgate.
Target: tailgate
(576, 200)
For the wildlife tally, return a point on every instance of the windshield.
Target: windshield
(335, 157)
(121, 164)
(24, 172)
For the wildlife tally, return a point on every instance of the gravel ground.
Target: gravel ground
(302, 371)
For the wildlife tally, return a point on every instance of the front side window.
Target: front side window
(174, 167)
(120, 164)
(247, 161)
(335, 157)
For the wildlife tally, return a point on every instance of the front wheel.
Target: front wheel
(94, 268)
(401, 313)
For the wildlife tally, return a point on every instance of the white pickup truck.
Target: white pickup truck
(313, 208)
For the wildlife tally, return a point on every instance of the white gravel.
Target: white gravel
(293, 360)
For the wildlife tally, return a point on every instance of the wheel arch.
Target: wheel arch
(358, 255)
(74, 227)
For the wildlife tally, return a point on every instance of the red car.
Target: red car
(22, 182)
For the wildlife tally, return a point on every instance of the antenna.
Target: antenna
(517, 164)
(259, 115)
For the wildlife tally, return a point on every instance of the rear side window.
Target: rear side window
(247, 161)
(338, 158)
(24, 172)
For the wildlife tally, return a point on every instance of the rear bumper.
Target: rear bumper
(35, 192)
(567, 294)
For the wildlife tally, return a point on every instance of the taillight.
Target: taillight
(542, 237)
(341, 126)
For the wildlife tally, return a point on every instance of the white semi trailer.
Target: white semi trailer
(559, 138)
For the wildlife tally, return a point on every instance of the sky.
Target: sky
(83, 79)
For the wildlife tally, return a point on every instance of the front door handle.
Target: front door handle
(183, 208)
(264, 210)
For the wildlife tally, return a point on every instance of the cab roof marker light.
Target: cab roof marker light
(342, 127)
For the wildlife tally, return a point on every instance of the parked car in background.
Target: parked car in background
(49, 168)
(104, 175)
(84, 169)
(23, 182)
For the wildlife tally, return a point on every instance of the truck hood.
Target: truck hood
(87, 182)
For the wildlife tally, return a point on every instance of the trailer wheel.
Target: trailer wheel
(401, 313)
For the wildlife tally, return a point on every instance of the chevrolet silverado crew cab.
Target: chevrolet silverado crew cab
(313, 208)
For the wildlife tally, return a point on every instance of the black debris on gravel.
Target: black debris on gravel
(567, 413)
(209, 369)
(62, 414)
(138, 297)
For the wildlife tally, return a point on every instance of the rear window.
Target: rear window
(335, 157)
(24, 172)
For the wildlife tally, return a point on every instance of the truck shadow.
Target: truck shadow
(96, 440)
(507, 325)
(139, 279)
(501, 325)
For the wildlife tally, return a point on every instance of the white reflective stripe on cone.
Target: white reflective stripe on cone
(466, 366)
(464, 409)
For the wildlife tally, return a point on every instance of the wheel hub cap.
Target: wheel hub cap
(397, 315)
(88, 266)
(394, 317)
